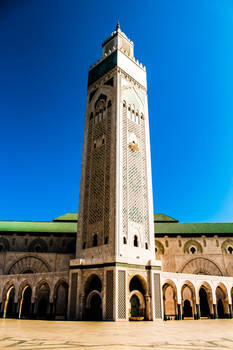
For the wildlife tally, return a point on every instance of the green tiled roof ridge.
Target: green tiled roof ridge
(160, 217)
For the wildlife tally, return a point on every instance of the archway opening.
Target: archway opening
(43, 302)
(138, 289)
(93, 301)
(26, 303)
(61, 301)
(204, 303)
(188, 300)
(222, 303)
(95, 310)
(170, 301)
(135, 306)
(187, 310)
(9, 311)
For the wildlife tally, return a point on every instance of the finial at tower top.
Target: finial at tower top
(118, 26)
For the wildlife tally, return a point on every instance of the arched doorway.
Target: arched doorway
(61, 301)
(93, 299)
(138, 289)
(170, 301)
(25, 303)
(222, 301)
(43, 302)
(135, 306)
(9, 311)
(187, 309)
(188, 300)
(204, 303)
(95, 307)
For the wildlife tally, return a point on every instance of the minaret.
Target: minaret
(115, 275)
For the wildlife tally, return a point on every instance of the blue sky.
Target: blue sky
(46, 49)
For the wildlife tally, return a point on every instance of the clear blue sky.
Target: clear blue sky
(46, 48)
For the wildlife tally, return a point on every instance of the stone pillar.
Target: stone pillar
(215, 311)
(147, 298)
(197, 315)
(230, 311)
(179, 309)
(82, 306)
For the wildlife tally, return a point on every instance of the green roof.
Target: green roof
(163, 218)
(67, 217)
(163, 225)
(33, 226)
(193, 228)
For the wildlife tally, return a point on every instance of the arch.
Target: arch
(169, 300)
(25, 302)
(138, 282)
(28, 263)
(222, 302)
(93, 282)
(42, 300)
(94, 306)
(38, 245)
(61, 299)
(9, 306)
(201, 266)
(205, 300)
(225, 245)
(192, 243)
(137, 305)
(4, 244)
(188, 299)
(160, 247)
(138, 287)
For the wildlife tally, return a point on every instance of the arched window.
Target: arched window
(84, 245)
(106, 240)
(124, 240)
(95, 240)
(135, 241)
(193, 250)
(146, 245)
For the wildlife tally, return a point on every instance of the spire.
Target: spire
(118, 26)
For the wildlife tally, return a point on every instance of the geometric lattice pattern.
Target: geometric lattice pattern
(157, 291)
(134, 177)
(109, 295)
(121, 296)
(97, 177)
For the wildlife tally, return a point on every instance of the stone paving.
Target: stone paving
(185, 335)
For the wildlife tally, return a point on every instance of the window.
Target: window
(84, 245)
(103, 141)
(95, 240)
(124, 240)
(94, 144)
(192, 250)
(230, 250)
(135, 241)
(146, 245)
(106, 240)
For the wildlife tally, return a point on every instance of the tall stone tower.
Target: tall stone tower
(115, 275)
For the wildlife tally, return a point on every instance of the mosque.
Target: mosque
(116, 260)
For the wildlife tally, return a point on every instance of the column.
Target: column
(197, 315)
(230, 311)
(215, 311)
(179, 309)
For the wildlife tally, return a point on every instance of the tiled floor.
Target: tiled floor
(194, 335)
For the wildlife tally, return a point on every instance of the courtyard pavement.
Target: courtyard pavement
(185, 335)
